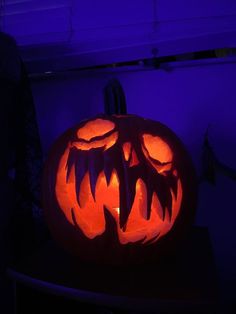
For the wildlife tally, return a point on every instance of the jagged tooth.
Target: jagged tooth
(158, 186)
(169, 209)
(162, 200)
(173, 184)
(131, 191)
(149, 202)
(127, 189)
(125, 208)
(81, 167)
(169, 204)
(108, 166)
(113, 160)
(174, 188)
(159, 209)
(130, 156)
(79, 232)
(70, 162)
(108, 171)
(111, 227)
(73, 217)
(95, 167)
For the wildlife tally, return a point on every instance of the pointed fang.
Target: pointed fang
(95, 168)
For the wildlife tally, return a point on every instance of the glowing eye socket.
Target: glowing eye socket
(105, 143)
(157, 148)
(95, 128)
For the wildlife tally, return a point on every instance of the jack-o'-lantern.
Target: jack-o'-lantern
(118, 189)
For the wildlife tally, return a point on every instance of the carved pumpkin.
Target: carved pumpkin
(118, 189)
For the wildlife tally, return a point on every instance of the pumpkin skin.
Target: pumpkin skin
(119, 190)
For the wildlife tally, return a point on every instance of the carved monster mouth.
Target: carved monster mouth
(143, 203)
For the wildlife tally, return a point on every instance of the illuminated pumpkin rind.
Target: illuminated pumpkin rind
(120, 193)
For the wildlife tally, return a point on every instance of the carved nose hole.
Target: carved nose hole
(130, 155)
(127, 150)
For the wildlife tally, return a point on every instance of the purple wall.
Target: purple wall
(60, 34)
(187, 99)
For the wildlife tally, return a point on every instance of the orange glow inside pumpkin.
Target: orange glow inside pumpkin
(157, 149)
(134, 159)
(105, 142)
(127, 150)
(95, 128)
(89, 215)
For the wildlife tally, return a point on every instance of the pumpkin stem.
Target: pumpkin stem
(114, 98)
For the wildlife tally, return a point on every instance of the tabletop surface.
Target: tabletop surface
(188, 277)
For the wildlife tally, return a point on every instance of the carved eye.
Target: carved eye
(95, 134)
(95, 128)
(158, 152)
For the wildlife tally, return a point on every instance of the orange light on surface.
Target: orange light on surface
(127, 150)
(95, 128)
(105, 142)
(157, 148)
(89, 214)
(134, 159)
(119, 190)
